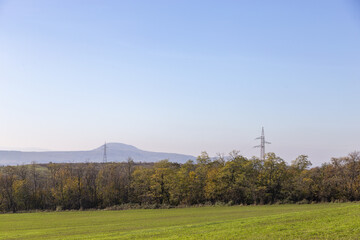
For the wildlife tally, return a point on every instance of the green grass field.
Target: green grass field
(313, 221)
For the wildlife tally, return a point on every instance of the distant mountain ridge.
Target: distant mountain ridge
(116, 152)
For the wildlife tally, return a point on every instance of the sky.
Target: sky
(181, 76)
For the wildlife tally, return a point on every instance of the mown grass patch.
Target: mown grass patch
(309, 221)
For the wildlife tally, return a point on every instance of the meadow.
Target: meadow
(308, 221)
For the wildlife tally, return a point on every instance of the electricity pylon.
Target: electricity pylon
(262, 144)
(105, 155)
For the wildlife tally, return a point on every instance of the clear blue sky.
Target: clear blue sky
(181, 76)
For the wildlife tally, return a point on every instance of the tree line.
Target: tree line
(232, 180)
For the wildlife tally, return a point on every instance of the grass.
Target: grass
(310, 221)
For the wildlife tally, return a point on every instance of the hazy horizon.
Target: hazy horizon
(181, 77)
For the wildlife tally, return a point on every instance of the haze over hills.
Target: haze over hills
(116, 152)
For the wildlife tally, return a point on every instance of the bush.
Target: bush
(230, 203)
(304, 201)
(219, 204)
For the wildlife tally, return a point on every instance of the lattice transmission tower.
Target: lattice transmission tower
(262, 144)
(105, 154)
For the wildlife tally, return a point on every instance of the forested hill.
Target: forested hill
(116, 152)
(236, 180)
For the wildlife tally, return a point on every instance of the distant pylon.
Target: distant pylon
(262, 144)
(105, 155)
